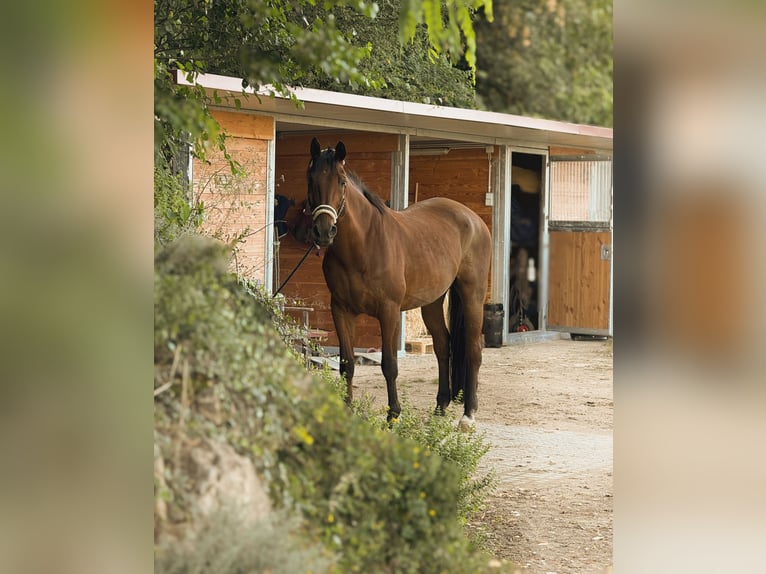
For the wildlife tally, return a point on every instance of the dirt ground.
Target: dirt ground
(547, 410)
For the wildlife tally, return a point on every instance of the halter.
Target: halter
(329, 209)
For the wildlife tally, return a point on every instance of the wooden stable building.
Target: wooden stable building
(543, 187)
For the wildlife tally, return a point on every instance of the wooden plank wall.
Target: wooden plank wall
(369, 156)
(579, 282)
(234, 205)
(462, 175)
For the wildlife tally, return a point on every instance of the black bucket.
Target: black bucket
(493, 325)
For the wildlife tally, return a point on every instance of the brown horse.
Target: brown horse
(381, 262)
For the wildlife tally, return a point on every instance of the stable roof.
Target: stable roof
(325, 109)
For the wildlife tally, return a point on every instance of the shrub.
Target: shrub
(382, 501)
(225, 542)
(465, 450)
(221, 370)
(174, 211)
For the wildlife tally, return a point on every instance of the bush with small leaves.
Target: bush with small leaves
(379, 500)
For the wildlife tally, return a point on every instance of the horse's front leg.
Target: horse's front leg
(344, 327)
(390, 324)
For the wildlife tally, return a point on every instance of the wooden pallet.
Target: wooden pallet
(419, 347)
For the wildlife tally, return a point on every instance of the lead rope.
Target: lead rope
(295, 269)
(329, 210)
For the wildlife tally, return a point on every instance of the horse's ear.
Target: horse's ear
(315, 148)
(340, 151)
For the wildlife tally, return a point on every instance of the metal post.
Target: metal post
(268, 272)
(501, 232)
(400, 182)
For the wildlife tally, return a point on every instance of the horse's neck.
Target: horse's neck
(358, 227)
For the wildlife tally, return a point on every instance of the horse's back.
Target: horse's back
(436, 205)
(437, 210)
(444, 217)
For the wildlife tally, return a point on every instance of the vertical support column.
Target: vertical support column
(545, 247)
(611, 263)
(501, 231)
(268, 271)
(400, 174)
(400, 185)
(611, 286)
(190, 169)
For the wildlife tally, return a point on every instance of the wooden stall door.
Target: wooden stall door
(580, 244)
(579, 281)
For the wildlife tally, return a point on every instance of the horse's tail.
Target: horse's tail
(458, 363)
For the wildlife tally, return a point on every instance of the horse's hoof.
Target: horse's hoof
(440, 411)
(466, 424)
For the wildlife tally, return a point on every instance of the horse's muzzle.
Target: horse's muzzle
(323, 234)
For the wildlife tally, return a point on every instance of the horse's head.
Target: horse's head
(327, 190)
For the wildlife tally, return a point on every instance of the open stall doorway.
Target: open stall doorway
(526, 217)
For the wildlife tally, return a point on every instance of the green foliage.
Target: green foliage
(255, 39)
(465, 450)
(227, 543)
(224, 371)
(206, 318)
(384, 503)
(182, 117)
(175, 212)
(379, 501)
(281, 43)
(439, 435)
(410, 70)
(289, 332)
(453, 34)
(548, 58)
(250, 39)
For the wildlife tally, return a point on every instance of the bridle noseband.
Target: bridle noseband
(330, 210)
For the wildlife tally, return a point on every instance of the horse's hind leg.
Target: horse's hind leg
(433, 317)
(472, 297)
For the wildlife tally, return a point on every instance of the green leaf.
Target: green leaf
(408, 19)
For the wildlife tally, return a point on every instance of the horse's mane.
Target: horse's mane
(374, 199)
